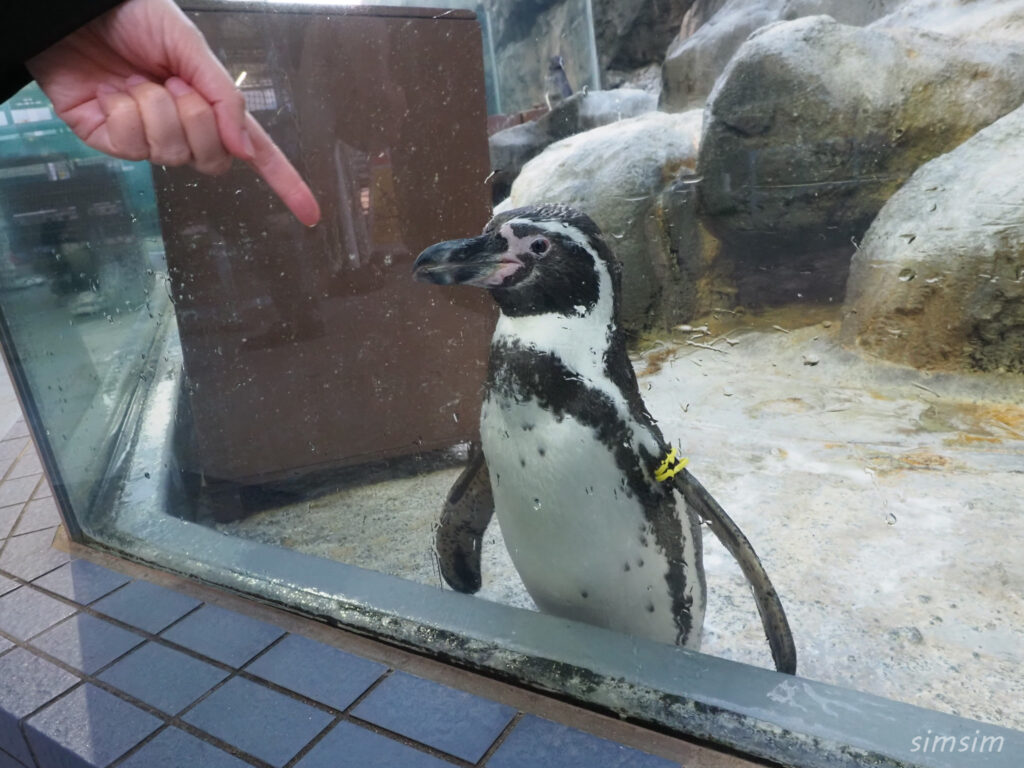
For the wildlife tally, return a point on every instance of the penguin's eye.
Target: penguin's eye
(539, 246)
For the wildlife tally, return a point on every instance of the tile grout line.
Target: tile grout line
(25, 449)
(165, 719)
(496, 744)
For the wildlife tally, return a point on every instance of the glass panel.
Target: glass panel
(283, 410)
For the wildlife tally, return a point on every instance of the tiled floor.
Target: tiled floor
(101, 668)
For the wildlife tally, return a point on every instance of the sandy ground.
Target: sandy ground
(885, 504)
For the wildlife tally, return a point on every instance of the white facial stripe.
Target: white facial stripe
(515, 244)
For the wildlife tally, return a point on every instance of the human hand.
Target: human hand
(140, 83)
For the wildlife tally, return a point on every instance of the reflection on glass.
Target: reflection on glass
(198, 360)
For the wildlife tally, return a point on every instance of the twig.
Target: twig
(926, 389)
(780, 328)
(706, 346)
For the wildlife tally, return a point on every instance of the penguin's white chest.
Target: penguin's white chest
(577, 535)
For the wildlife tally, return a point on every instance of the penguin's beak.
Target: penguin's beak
(481, 261)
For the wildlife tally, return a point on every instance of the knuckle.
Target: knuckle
(216, 167)
(172, 156)
(194, 110)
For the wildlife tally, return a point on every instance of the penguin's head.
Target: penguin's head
(547, 259)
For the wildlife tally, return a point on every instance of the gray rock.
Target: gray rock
(713, 31)
(620, 175)
(513, 147)
(631, 34)
(815, 124)
(647, 78)
(939, 279)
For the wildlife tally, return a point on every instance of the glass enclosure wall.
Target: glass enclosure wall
(823, 315)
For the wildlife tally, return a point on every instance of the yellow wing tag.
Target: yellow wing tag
(670, 467)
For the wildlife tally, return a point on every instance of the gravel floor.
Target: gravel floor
(884, 503)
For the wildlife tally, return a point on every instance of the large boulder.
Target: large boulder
(815, 124)
(620, 175)
(512, 147)
(939, 280)
(713, 31)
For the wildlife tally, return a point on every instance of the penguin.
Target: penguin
(600, 517)
(556, 85)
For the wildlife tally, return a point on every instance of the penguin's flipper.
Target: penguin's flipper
(460, 532)
(773, 617)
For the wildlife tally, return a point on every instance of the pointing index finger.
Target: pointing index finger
(271, 164)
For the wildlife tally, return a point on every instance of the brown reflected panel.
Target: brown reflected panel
(306, 349)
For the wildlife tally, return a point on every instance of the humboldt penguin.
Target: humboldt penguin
(600, 517)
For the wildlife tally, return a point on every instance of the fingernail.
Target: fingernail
(178, 87)
(247, 145)
(134, 80)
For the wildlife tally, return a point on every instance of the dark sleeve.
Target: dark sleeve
(28, 27)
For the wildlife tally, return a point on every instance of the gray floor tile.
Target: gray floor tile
(6, 585)
(5, 644)
(539, 743)
(26, 612)
(37, 516)
(162, 677)
(31, 555)
(86, 642)
(6, 462)
(17, 491)
(10, 449)
(322, 673)
(82, 581)
(453, 721)
(257, 720)
(146, 605)
(223, 635)
(174, 748)
(89, 724)
(8, 517)
(27, 464)
(28, 683)
(18, 429)
(349, 746)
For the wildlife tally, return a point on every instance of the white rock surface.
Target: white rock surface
(616, 174)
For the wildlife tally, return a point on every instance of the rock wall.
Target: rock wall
(812, 128)
(714, 31)
(939, 279)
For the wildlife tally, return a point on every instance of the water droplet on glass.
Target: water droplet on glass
(536, 505)
(907, 274)
(890, 518)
